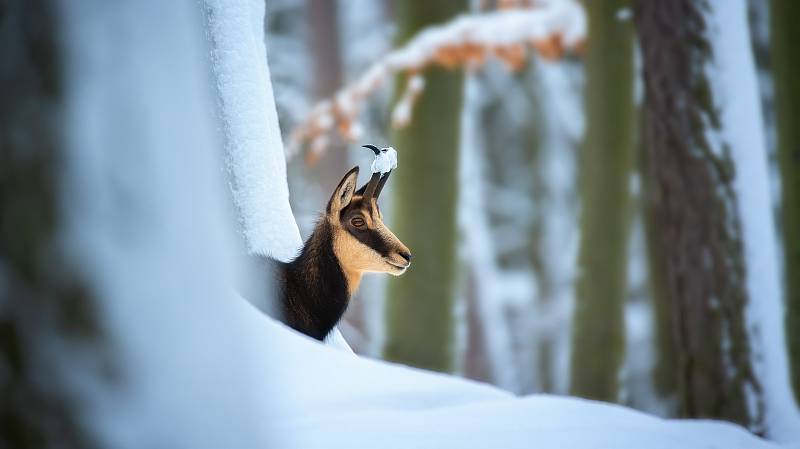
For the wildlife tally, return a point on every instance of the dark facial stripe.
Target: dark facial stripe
(374, 240)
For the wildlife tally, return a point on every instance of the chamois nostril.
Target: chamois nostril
(406, 256)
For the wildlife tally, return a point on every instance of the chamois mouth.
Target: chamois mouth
(399, 267)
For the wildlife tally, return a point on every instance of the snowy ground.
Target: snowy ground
(333, 399)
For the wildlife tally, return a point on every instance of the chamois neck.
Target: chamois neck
(318, 255)
(316, 287)
(353, 278)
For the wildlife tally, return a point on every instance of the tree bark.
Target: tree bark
(663, 372)
(605, 172)
(696, 209)
(786, 73)
(44, 306)
(420, 303)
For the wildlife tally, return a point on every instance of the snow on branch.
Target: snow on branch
(550, 28)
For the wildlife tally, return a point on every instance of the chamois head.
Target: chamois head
(361, 242)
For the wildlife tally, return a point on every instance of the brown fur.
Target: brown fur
(315, 288)
(354, 256)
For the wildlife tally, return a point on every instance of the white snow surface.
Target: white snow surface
(236, 30)
(385, 161)
(330, 399)
(735, 85)
(149, 229)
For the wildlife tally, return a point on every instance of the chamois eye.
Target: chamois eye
(357, 222)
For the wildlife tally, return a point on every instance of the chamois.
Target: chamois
(348, 240)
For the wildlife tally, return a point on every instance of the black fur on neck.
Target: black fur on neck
(313, 288)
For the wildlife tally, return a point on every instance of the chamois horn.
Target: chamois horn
(381, 183)
(369, 191)
(374, 149)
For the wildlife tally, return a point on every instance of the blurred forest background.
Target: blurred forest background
(602, 198)
(587, 217)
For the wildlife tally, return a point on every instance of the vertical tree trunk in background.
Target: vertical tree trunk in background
(326, 55)
(477, 363)
(44, 306)
(696, 210)
(537, 249)
(786, 72)
(663, 372)
(323, 26)
(605, 172)
(420, 303)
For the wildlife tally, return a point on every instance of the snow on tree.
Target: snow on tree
(735, 92)
(550, 27)
(520, 134)
(147, 228)
(707, 156)
(236, 30)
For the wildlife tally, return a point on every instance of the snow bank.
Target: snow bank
(253, 138)
(331, 400)
(149, 228)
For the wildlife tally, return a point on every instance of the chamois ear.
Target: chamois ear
(344, 192)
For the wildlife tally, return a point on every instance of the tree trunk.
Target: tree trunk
(477, 360)
(606, 169)
(786, 72)
(663, 373)
(44, 306)
(696, 209)
(420, 304)
(327, 75)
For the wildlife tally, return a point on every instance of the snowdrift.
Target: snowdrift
(329, 398)
(308, 395)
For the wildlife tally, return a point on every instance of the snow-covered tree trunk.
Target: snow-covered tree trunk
(736, 96)
(786, 73)
(707, 156)
(118, 319)
(420, 304)
(252, 133)
(605, 171)
(488, 353)
(697, 208)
